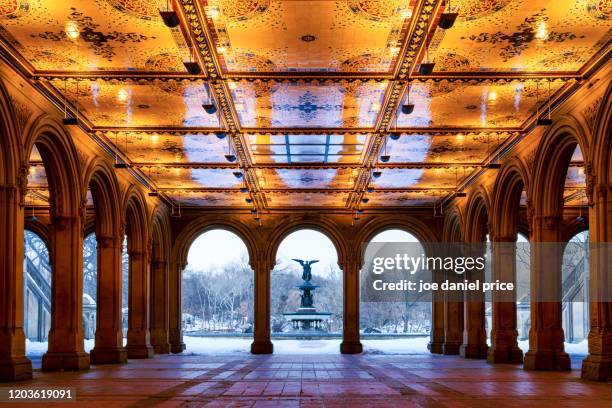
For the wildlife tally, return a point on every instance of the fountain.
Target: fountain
(306, 319)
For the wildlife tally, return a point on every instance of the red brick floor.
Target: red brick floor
(324, 381)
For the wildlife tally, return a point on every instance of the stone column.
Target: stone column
(14, 366)
(138, 336)
(598, 364)
(453, 327)
(175, 334)
(261, 333)
(159, 307)
(436, 342)
(474, 333)
(350, 333)
(66, 345)
(546, 334)
(504, 345)
(109, 336)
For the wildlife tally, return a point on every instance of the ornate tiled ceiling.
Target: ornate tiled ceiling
(307, 91)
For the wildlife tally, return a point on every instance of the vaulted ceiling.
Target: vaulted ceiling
(307, 91)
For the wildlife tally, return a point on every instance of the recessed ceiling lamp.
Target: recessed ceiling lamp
(169, 16)
(447, 19)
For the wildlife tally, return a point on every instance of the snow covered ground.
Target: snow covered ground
(234, 345)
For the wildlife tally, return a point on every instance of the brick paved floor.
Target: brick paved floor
(325, 381)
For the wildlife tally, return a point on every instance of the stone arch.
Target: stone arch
(102, 180)
(602, 139)
(477, 216)
(509, 185)
(553, 155)
(206, 223)
(61, 164)
(39, 229)
(9, 142)
(453, 226)
(137, 229)
(411, 225)
(292, 224)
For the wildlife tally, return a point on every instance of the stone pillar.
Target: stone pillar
(546, 334)
(350, 333)
(109, 336)
(474, 333)
(14, 366)
(159, 307)
(436, 342)
(598, 364)
(175, 311)
(66, 345)
(504, 345)
(453, 327)
(261, 333)
(138, 336)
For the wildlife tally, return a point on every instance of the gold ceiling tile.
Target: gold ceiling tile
(110, 35)
(506, 35)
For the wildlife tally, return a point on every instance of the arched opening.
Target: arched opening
(575, 266)
(36, 295)
(37, 301)
(90, 285)
(217, 295)
(306, 295)
(523, 282)
(395, 327)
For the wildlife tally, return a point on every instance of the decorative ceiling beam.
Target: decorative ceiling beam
(307, 166)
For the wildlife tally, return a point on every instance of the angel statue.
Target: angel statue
(306, 273)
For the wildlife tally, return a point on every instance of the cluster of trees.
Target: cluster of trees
(219, 299)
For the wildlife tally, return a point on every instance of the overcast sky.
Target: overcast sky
(215, 248)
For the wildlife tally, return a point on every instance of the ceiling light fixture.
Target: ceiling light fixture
(426, 68)
(408, 107)
(238, 174)
(447, 19)
(365, 200)
(209, 106)
(543, 121)
(385, 157)
(169, 16)
(230, 157)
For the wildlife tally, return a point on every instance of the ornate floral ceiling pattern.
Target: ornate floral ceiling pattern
(306, 91)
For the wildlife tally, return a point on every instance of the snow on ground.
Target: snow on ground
(228, 345)
(233, 345)
(581, 348)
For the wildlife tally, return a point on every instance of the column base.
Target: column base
(262, 347)
(110, 355)
(547, 361)
(76, 361)
(596, 368)
(451, 349)
(353, 347)
(177, 347)
(163, 348)
(15, 369)
(504, 355)
(435, 347)
(139, 351)
(476, 351)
